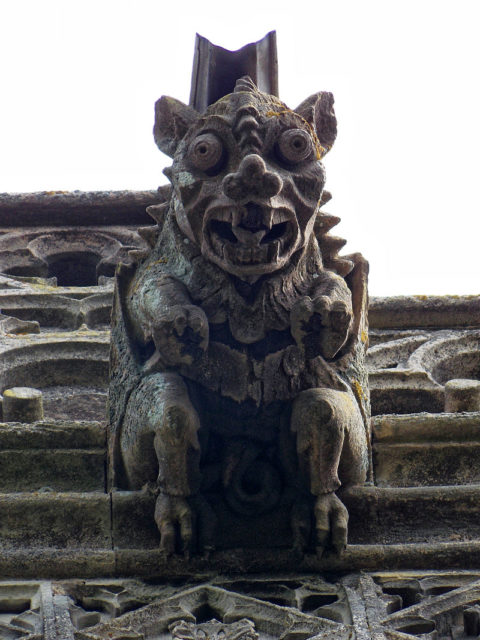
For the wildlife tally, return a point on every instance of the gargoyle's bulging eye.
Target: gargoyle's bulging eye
(294, 146)
(206, 152)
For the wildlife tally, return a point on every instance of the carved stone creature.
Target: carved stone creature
(238, 340)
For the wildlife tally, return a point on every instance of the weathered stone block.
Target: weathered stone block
(442, 312)
(415, 464)
(56, 563)
(462, 395)
(58, 520)
(57, 470)
(137, 506)
(426, 449)
(415, 514)
(60, 456)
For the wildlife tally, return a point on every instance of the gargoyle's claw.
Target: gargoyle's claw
(340, 318)
(172, 515)
(322, 538)
(339, 538)
(185, 521)
(180, 322)
(167, 538)
(196, 324)
(322, 307)
(170, 334)
(331, 518)
(304, 307)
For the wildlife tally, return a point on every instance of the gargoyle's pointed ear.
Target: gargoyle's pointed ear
(172, 121)
(318, 111)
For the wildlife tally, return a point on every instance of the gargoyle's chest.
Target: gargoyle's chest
(264, 372)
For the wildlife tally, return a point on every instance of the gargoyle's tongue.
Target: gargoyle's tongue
(251, 223)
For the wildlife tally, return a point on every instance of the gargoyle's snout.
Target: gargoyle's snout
(252, 179)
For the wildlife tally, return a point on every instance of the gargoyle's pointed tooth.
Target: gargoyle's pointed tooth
(137, 255)
(333, 244)
(268, 219)
(164, 192)
(325, 222)
(341, 266)
(326, 197)
(236, 217)
(149, 234)
(157, 211)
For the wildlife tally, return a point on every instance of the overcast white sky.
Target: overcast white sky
(79, 80)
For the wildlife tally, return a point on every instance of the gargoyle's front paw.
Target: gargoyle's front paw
(173, 516)
(331, 523)
(340, 319)
(321, 326)
(181, 333)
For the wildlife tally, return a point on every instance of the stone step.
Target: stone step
(124, 519)
(55, 520)
(426, 449)
(408, 451)
(52, 456)
(377, 516)
(151, 563)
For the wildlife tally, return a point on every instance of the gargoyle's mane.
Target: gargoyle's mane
(150, 234)
(330, 245)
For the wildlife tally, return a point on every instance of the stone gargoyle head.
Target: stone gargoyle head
(247, 175)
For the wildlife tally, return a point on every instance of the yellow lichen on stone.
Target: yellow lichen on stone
(358, 390)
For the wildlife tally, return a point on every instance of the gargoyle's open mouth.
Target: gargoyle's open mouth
(251, 235)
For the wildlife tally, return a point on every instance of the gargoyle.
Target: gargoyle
(238, 339)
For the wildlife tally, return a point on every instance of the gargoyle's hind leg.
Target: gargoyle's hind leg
(159, 445)
(331, 449)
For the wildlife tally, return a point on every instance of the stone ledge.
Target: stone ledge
(427, 427)
(52, 434)
(422, 311)
(413, 514)
(377, 515)
(60, 563)
(426, 464)
(426, 449)
(55, 520)
(56, 469)
(136, 562)
(386, 516)
(56, 563)
(76, 208)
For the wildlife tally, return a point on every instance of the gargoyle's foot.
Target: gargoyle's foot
(173, 516)
(331, 523)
